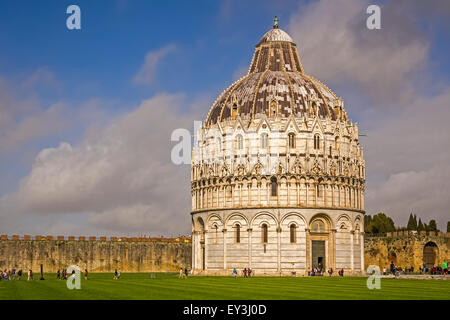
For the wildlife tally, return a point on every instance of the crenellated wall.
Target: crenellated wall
(406, 249)
(162, 255)
(95, 255)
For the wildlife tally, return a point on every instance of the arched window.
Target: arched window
(239, 142)
(274, 186)
(264, 140)
(234, 111)
(273, 108)
(216, 233)
(264, 235)
(316, 142)
(291, 140)
(336, 143)
(238, 233)
(293, 233)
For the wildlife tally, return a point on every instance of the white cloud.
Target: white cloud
(336, 46)
(407, 130)
(147, 72)
(121, 175)
(24, 119)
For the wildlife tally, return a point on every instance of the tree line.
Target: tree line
(381, 223)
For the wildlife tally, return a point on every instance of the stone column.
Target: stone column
(308, 251)
(332, 195)
(194, 251)
(279, 249)
(217, 196)
(361, 241)
(224, 231)
(278, 192)
(333, 248)
(249, 230)
(307, 193)
(287, 186)
(205, 236)
(258, 186)
(352, 255)
(339, 194)
(240, 194)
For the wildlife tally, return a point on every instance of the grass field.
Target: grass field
(168, 286)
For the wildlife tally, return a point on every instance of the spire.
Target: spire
(275, 22)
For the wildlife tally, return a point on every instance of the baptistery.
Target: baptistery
(277, 174)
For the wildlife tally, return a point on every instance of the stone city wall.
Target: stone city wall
(405, 249)
(95, 254)
(166, 254)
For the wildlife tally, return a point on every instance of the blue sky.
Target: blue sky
(212, 41)
(71, 86)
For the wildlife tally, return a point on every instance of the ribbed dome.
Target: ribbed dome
(275, 85)
(276, 34)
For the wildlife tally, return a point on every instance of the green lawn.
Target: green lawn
(168, 286)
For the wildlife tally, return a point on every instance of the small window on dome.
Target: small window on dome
(273, 108)
(234, 111)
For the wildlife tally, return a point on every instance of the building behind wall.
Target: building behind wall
(277, 173)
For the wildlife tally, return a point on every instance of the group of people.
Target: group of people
(117, 274)
(62, 275)
(183, 273)
(436, 270)
(14, 274)
(246, 273)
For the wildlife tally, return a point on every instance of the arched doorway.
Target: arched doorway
(430, 254)
(319, 237)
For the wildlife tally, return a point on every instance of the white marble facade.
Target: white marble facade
(277, 174)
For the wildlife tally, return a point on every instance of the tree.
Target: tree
(420, 226)
(380, 224)
(432, 225)
(367, 221)
(448, 226)
(412, 223)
